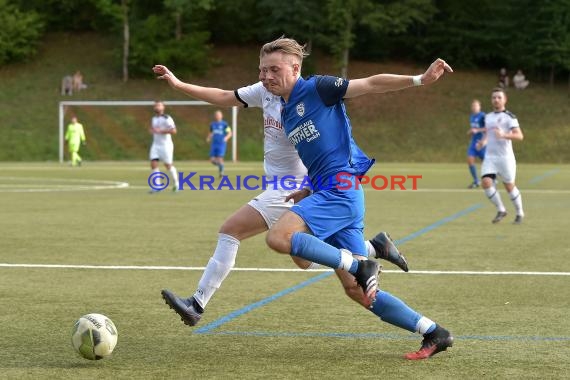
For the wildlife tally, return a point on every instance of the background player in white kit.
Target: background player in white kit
(261, 213)
(162, 128)
(501, 128)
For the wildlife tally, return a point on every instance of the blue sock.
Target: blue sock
(221, 168)
(317, 251)
(473, 171)
(395, 312)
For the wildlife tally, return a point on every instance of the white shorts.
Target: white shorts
(271, 204)
(163, 153)
(506, 167)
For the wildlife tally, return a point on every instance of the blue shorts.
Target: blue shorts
(218, 150)
(473, 152)
(336, 217)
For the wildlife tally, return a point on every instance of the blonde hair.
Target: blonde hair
(286, 46)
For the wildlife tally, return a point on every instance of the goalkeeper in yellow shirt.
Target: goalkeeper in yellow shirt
(75, 136)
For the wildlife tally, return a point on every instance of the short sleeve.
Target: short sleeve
(250, 96)
(482, 121)
(513, 121)
(170, 122)
(331, 89)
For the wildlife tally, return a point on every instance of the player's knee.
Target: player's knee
(278, 241)
(487, 180)
(232, 229)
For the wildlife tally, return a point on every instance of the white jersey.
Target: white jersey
(279, 156)
(505, 121)
(164, 123)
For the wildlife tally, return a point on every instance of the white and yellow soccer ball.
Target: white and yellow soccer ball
(94, 336)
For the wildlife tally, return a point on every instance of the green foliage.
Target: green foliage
(543, 41)
(236, 21)
(66, 15)
(297, 19)
(20, 33)
(152, 43)
(380, 18)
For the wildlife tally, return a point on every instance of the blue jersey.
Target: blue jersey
(220, 130)
(316, 123)
(477, 120)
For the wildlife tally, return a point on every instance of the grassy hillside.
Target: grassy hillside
(424, 124)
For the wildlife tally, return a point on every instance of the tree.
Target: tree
(545, 37)
(126, 39)
(151, 42)
(20, 33)
(377, 16)
(73, 15)
(182, 7)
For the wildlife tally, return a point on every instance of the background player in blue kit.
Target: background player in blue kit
(476, 130)
(327, 227)
(219, 135)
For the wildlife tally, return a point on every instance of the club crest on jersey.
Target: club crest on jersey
(301, 109)
(339, 82)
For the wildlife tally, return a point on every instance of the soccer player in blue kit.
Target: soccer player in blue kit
(327, 227)
(476, 130)
(219, 135)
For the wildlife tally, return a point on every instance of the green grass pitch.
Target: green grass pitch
(506, 325)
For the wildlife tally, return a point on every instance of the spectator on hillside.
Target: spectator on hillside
(503, 78)
(520, 81)
(78, 84)
(67, 85)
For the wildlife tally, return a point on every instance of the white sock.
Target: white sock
(423, 325)
(346, 260)
(516, 198)
(495, 198)
(174, 176)
(370, 249)
(218, 268)
(313, 266)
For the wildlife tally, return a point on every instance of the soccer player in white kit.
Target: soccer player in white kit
(162, 128)
(261, 213)
(502, 127)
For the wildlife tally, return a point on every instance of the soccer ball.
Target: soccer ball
(94, 336)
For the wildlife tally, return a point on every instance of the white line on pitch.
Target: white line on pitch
(137, 267)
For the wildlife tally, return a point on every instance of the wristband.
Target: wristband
(417, 80)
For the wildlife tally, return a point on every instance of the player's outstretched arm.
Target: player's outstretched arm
(208, 94)
(390, 82)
